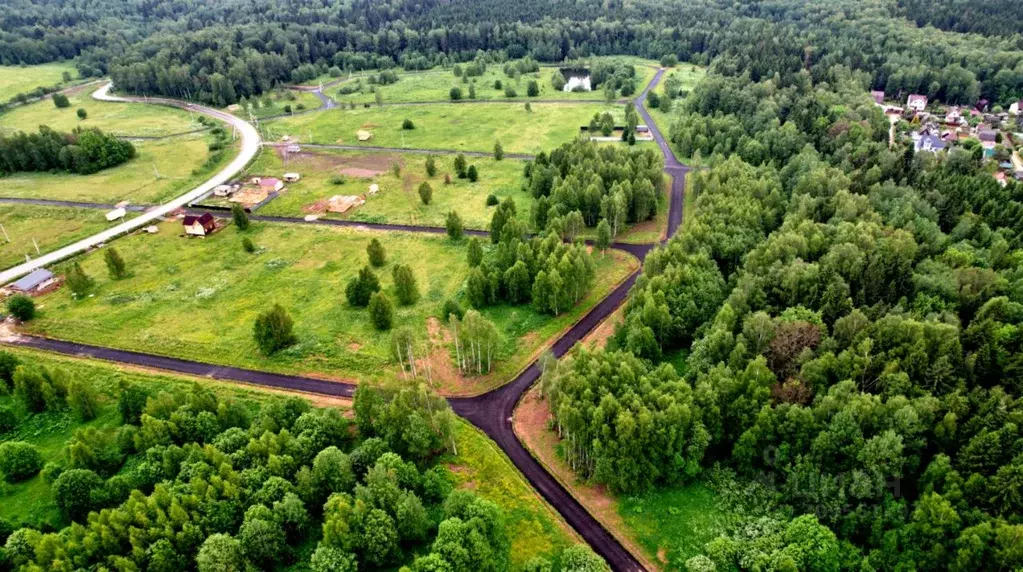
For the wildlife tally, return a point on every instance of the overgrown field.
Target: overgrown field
(468, 127)
(49, 227)
(198, 299)
(23, 79)
(125, 119)
(436, 85)
(163, 169)
(327, 173)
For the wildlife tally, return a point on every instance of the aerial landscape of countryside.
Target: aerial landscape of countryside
(480, 286)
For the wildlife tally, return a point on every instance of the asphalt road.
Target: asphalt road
(491, 412)
(250, 146)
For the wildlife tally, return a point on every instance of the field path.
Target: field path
(250, 146)
(491, 412)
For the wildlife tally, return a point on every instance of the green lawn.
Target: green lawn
(398, 199)
(436, 84)
(198, 298)
(126, 119)
(49, 227)
(23, 79)
(180, 161)
(533, 527)
(674, 524)
(446, 126)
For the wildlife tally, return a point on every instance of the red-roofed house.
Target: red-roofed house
(200, 225)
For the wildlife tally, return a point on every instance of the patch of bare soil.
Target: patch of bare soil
(530, 425)
(438, 362)
(598, 337)
(368, 165)
(360, 173)
(354, 346)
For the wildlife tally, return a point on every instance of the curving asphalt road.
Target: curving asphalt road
(250, 146)
(492, 412)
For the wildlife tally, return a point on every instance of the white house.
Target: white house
(1016, 107)
(916, 102)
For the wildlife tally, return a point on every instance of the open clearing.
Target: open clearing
(197, 299)
(49, 227)
(326, 173)
(436, 84)
(23, 79)
(124, 119)
(468, 127)
(690, 75)
(533, 527)
(181, 162)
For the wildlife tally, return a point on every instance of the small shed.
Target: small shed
(116, 214)
(291, 177)
(200, 225)
(223, 190)
(36, 281)
(270, 184)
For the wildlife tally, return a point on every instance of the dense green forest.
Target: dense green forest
(223, 51)
(83, 151)
(847, 317)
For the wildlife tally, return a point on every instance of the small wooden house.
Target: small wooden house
(200, 225)
(34, 283)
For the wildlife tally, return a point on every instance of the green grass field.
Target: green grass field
(298, 100)
(436, 84)
(23, 79)
(198, 298)
(49, 227)
(126, 119)
(180, 162)
(532, 526)
(690, 75)
(674, 524)
(398, 198)
(469, 127)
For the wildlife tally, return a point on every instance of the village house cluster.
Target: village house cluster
(935, 128)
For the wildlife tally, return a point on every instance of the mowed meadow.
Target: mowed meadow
(198, 298)
(462, 127)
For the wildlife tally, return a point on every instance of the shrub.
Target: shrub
(472, 174)
(447, 178)
(8, 363)
(61, 101)
(451, 308)
(21, 307)
(241, 218)
(376, 252)
(287, 108)
(431, 166)
(337, 180)
(425, 192)
(131, 402)
(498, 85)
(407, 124)
(475, 252)
(381, 313)
(454, 226)
(82, 113)
(247, 245)
(455, 93)
(493, 201)
(498, 151)
(460, 165)
(273, 330)
(76, 492)
(360, 288)
(115, 264)
(532, 89)
(19, 461)
(78, 282)
(509, 91)
(405, 287)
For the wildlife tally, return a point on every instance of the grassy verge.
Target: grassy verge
(180, 162)
(326, 173)
(444, 126)
(23, 79)
(274, 103)
(197, 299)
(49, 228)
(125, 119)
